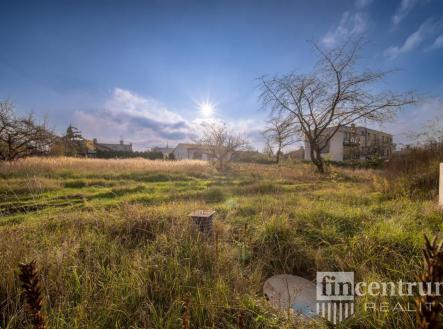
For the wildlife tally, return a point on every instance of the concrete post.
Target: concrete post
(440, 194)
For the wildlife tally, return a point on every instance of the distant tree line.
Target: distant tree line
(22, 136)
(136, 154)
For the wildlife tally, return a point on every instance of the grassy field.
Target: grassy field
(116, 249)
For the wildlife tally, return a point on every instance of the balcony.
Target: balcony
(351, 142)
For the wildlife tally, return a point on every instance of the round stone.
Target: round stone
(291, 292)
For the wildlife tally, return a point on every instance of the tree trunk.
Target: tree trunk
(277, 158)
(319, 163)
(221, 164)
(316, 158)
(9, 156)
(320, 166)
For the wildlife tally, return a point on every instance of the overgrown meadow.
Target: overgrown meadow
(116, 249)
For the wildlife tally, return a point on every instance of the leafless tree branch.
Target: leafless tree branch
(221, 143)
(335, 94)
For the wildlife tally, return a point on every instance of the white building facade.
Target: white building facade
(355, 143)
(191, 151)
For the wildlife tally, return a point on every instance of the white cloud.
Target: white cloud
(362, 3)
(147, 122)
(131, 104)
(351, 25)
(415, 119)
(251, 129)
(415, 39)
(143, 121)
(438, 43)
(403, 10)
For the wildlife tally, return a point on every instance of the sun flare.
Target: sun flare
(206, 109)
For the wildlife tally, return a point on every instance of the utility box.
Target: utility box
(440, 194)
(202, 220)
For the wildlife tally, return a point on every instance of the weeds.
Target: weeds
(118, 250)
(67, 167)
(414, 172)
(29, 277)
(429, 307)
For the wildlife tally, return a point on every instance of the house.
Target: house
(351, 142)
(106, 147)
(191, 151)
(166, 151)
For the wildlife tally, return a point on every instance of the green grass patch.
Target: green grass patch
(117, 249)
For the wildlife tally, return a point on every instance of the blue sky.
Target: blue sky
(139, 69)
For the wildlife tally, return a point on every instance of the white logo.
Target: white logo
(335, 295)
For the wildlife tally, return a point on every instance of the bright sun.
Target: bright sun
(206, 108)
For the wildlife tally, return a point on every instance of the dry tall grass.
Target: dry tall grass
(33, 166)
(302, 172)
(414, 172)
(118, 250)
(429, 306)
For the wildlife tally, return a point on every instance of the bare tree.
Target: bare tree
(279, 133)
(21, 136)
(431, 132)
(268, 148)
(5, 116)
(334, 95)
(221, 143)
